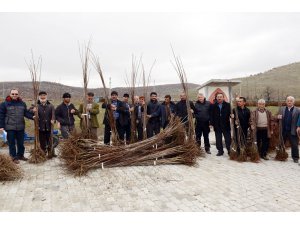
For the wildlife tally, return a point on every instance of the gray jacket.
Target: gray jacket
(295, 117)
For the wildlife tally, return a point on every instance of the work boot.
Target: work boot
(16, 161)
(220, 153)
(207, 149)
(22, 158)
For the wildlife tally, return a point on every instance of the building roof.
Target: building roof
(220, 82)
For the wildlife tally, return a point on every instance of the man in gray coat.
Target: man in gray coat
(288, 116)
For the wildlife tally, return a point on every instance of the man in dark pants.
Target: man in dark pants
(260, 121)
(181, 109)
(64, 114)
(289, 116)
(167, 110)
(243, 114)
(139, 110)
(220, 120)
(124, 119)
(46, 114)
(115, 107)
(12, 113)
(202, 115)
(154, 115)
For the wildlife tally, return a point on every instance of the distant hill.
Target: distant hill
(55, 90)
(274, 84)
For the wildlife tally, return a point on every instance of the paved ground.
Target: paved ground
(216, 184)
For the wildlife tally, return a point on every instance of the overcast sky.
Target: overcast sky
(212, 45)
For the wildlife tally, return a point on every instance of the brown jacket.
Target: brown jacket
(254, 119)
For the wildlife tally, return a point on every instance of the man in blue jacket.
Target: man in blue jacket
(12, 113)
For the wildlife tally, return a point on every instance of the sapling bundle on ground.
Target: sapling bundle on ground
(37, 155)
(81, 155)
(8, 169)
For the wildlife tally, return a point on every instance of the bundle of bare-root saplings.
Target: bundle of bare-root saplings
(168, 147)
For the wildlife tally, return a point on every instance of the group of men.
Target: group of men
(217, 115)
(14, 109)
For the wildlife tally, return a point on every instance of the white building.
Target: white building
(212, 87)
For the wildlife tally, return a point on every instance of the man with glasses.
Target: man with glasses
(12, 113)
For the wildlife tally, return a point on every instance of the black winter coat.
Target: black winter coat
(12, 113)
(220, 120)
(63, 114)
(244, 117)
(181, 110)
(203, 111)
(46, 114)
(107, 107)
(154, 109)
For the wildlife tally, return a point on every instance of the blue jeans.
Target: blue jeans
(18, 135)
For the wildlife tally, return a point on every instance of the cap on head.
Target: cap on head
(42, 93)
(66, 95)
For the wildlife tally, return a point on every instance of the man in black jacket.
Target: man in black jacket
(46, 115)
(167, 110)
(124, 119)
(243, 115)
(154, 115)
(181, 109)
(64, 114)
(220, 120)
(114, 106)
(139, 115)
(202, 115)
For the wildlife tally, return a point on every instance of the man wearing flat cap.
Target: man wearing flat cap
(46, 117)
(64, 115)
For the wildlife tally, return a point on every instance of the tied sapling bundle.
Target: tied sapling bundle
(37, 155)
(85, 116)
(191, 137)
(281, 154)
(109, 115)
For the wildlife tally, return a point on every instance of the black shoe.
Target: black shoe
(265, 157)
(16, 161)
(220, 153)
(22, 158)
(296, 160)
(207, 149)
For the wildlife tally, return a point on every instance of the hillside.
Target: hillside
(55, 90)
(277, 82)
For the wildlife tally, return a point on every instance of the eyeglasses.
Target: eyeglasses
(14, 94)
